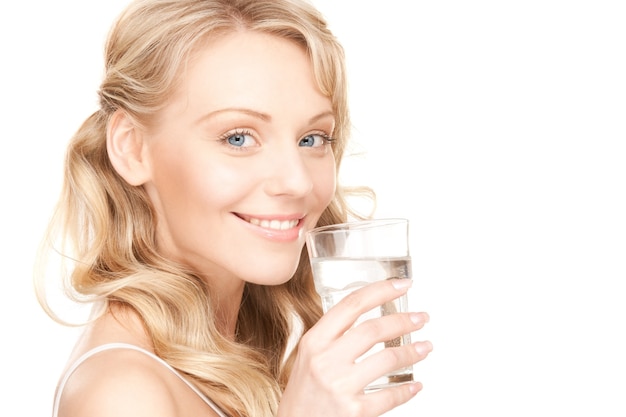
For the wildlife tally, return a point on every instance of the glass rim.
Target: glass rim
(357, 224)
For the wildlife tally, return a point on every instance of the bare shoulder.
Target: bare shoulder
(120, 383)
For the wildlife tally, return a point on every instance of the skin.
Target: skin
(238, 166)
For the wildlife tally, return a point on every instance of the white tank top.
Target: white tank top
(110, 346)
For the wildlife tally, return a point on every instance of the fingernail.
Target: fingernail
(423, 347)
(415, 387)
(418, 318)
(401, 283)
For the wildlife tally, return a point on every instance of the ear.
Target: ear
(126, 149)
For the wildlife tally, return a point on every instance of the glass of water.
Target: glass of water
(345, 257)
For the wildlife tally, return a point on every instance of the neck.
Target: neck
(228, 301)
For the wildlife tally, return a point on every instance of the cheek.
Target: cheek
(214, 187)
(325, 182)
(191, 182)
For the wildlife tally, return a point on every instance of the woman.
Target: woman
(221, 127)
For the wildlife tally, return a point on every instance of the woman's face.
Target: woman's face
(240, 163)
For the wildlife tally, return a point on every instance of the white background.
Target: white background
(497, 127)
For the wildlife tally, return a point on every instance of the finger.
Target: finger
(379, 402)
(386, 329)
(378, 333)
(344, 314)
(388, 360)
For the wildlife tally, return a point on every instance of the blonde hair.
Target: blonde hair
(108, 227)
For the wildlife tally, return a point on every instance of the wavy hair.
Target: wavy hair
(106, 227)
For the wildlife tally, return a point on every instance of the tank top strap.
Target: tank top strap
(111, 346)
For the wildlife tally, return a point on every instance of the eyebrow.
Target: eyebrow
(321, 116)
(259, 115)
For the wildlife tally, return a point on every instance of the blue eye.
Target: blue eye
(238, 139)
(314, 140)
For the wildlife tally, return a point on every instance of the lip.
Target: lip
(276, 227)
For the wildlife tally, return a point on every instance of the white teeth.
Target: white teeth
(274, 224)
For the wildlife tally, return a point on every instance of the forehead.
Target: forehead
(245, 64)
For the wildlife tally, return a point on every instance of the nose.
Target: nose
(288, 173)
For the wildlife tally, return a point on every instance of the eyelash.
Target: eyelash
(327, 138)
(223, 139)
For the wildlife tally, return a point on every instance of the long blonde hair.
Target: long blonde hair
(107, 227)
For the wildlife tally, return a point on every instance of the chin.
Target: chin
(272, 276)
(270, 281)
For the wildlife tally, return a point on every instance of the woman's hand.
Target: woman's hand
(326, 381)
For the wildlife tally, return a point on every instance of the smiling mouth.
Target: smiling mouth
(273, 224)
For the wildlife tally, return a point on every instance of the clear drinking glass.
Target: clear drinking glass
(346, 257)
